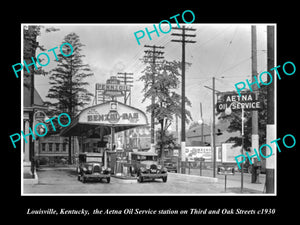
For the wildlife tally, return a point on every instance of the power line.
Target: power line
(153, 55)
(214, 37)
(240, 62)
(183, 40)
(127, 79)
(227, 47)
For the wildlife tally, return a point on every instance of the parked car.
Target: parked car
(90, 167)
(171, 167)
(146, 166)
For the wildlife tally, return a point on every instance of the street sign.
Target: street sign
(236, 102)
(226, 170)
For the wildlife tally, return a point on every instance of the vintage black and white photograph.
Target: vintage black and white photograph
(170, 108)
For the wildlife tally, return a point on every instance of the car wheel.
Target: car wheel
(108, 180)
(83, 179)
(164, 179)
(78, 177)
(140, 179)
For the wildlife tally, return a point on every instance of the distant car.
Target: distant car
(93, 171)
(146, 166)
(170, 167)
(91, 168)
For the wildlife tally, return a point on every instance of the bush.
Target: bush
(43, 161)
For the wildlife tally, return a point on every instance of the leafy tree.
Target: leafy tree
(30, 34)
(67, 82)
(167, 102)
(194, 124)
(168, 140)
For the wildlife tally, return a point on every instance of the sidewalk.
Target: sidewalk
(234, 185)
(234, 181)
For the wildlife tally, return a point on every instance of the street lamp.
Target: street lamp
(42, 112)
(35, 120)
(33, 145)
(228, 111)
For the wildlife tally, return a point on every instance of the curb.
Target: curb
(127, 180)
(34, 180)
(56, 168)
(210, 179)
(123, 177)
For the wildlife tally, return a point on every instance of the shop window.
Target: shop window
(57, 147)
(43, 147)
(50, 147)
(64, 147)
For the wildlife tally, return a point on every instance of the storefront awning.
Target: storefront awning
(104, 116)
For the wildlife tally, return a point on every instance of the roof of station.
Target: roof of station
(104, 116)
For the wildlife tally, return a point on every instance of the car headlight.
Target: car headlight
(142, 169)
(159, 167)
(165, 169)
(147, 167)
(108, 169)
(84, 169)
(102, 168)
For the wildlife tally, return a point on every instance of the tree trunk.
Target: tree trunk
(70, 150)
(161, 140)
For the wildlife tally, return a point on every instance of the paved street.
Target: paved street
(64, 181)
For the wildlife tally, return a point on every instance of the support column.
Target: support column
(112, 138)
(271, 161)
(105, 159)
(26, 145)
(255, 136)
(271, 127)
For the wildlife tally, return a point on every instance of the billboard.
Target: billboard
(229, 152)
(205, 152)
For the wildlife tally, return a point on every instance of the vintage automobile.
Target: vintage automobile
(171, 167)
(90, 167)
(146, 166)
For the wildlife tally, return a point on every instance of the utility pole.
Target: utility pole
(271, 135)
(127, 79)
(202, 125)
(214, 128)
(177, 130)
(153, 55)
(213, 124)
(254, 136)
(183, 41)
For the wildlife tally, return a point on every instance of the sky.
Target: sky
(222, 51)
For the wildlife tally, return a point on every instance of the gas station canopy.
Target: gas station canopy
(104, 116)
